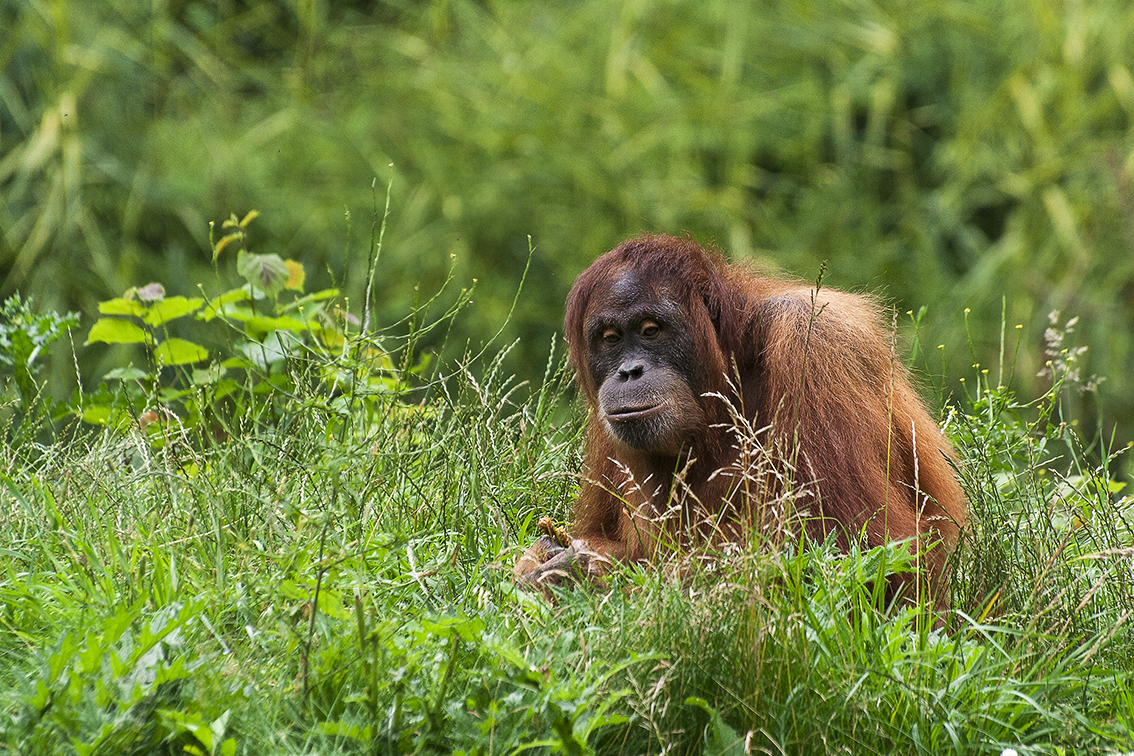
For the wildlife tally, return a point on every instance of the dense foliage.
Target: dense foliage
(262, 495)
(954, 154)
(309, 551)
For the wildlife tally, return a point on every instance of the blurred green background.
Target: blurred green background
(953, 154)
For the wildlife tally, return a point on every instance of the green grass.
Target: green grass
(321, 576)
(304, 569)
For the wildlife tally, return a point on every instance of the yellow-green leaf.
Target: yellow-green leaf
(208, 376)
(296, 275)
(96, 414)
(171, 309)
(128, 373)
(121, 306)
(259, 324)
(116, 331)
(101, 415)
(218, 306)
(179, 352)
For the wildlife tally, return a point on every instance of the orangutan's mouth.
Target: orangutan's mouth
(626, 414)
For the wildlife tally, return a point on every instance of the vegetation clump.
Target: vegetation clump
(298, 536)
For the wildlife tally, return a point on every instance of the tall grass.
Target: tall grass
(319, 578)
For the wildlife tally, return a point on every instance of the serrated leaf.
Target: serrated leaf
(116, 331)
(171, 309)
(179, 352)
(121, 306)
(268, 273)
(296, 275)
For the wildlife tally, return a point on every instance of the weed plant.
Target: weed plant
(328, 571)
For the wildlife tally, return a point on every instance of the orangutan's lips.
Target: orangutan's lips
(635, 413)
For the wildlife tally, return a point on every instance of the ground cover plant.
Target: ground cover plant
(314, 557)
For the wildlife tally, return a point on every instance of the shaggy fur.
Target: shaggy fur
(664, 336)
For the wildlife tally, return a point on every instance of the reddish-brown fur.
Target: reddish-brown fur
(814, 369)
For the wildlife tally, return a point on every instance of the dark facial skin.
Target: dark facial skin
(642, 359)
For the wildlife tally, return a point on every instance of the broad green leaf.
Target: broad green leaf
(121, 306)
(268, 273)
(257, 324)
(116, 331)
(233, 311)
(331, 603)
(96, 414)
(100, 414)
(129, 373)
(345, 730)
(263, 353)
(315, 297)
(467, 629)
(224, 305)
(179, 352)
(90, 654)
(171, 309)
(208, 376)
(720, 738)
(169, 395)
(332, 338)
(239, 294)
(224, 388)
(188, 722)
